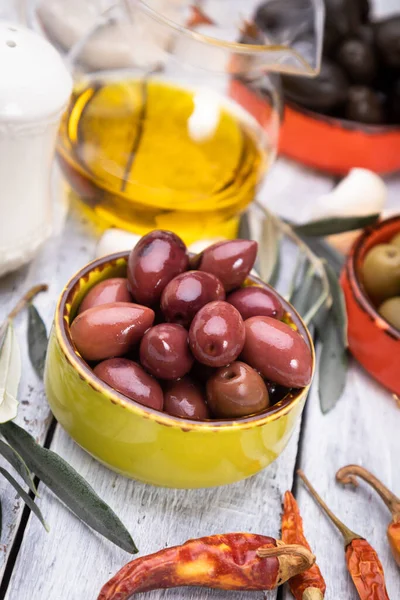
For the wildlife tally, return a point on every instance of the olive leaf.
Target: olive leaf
(338, 304)
(17, 462)
(25, 497)
(37, 340)
(273, 280)
(333, 365)
(326, 251)
(269, 248)
(69, 486)
(334, 225)
(302, 294)
(10, 372)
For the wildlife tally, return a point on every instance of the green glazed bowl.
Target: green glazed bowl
(143, 443)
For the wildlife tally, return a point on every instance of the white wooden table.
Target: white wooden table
(72, 563)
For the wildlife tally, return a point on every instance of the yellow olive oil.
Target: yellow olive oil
(139, 156)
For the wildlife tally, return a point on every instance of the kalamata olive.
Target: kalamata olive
(278, 352)
(236, 391)
(164, 351)
(110, 290)
(358, 60)
(381, 272)
(184, 398)
(390, 310)
(395, 241)
(284, 19)
(230, 261)
(186, 293)
(156, 259)
(387, 39)
(252, 301)
(216, 335)
(322, 93)
(364, 105)
(128, 378)
(110, 329)
(276, 392)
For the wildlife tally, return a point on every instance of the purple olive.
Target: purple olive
(278, 352)
(110, 290)
(128, 378)
(186, 293)
(184, 398)
(216, 335)
(156, 259)
(230, 261)
(255, 301)
(110, 329)
(236, 391)
(164, 351)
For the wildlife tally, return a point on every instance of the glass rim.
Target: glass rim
(234, 47)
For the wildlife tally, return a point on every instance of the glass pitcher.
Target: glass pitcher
(175, 113)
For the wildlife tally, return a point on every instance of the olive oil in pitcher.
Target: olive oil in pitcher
(145, 154)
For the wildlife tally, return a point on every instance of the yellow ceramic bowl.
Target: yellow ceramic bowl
(143, 443)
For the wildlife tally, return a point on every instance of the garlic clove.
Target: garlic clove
(361, 193)
(116, 240)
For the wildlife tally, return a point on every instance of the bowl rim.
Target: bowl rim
(347, 124)
(362, 297)
(62, 332)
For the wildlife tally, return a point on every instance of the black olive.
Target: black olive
(344, 16)
(285, 20)
(366, 33)
(322, 93)
(387, 39)
(394, 103)
(358, 60)
(365, 105)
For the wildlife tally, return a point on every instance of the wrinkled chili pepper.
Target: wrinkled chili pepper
(309, 585)
(363, 563)
(232, 561)
(347, 475)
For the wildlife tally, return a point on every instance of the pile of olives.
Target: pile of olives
(360, 70)
(381, 278)
(181, 335)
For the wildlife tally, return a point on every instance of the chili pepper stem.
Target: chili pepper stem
(26, 299)
(312, 594)
(302, 553)
(349, 473)
(347, 534)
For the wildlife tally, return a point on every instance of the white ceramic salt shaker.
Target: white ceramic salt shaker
(34, 90)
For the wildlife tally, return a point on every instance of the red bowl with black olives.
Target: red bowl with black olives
(181, 343)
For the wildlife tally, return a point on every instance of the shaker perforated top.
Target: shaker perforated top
(34, 82)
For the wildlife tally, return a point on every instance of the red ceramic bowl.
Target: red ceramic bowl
(372, 340)
(338, 145)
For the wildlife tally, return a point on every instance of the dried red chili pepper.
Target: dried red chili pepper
(232, 561)
(362, 560)
(198, 17)
(347, 475)
(309, 585)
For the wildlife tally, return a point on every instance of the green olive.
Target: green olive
(381, 272)
(396, 240)
(390, 310)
